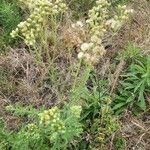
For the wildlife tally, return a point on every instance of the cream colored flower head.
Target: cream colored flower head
(80, 24)
(86, 46)
(80, 55)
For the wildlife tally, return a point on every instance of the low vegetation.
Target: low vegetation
(74, 74)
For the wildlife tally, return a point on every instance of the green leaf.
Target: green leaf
(118, 106)
(141, 99)
(138, 69)
(148, 82)
(130, 99)
(138, 86)
(127, 85)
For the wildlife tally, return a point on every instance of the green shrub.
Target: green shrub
(51, 129)
(97, 115)
(119, 143)
(131, 53)
(135, 85)
(10, 16)
(4, 136)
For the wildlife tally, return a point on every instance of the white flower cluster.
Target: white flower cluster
(99, 23)
(123, 14)
(78, 24)
(51, 118)
(32, 127)
(97, 17)
(76, 110)
(40, 9)
(93, 50)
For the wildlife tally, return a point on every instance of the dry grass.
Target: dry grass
(136, 131)
(115, 77)
(137, 30)
(25, 76)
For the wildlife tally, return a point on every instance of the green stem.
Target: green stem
(76, 75)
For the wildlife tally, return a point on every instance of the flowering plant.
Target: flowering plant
(99, 23)
(53, 128)
(30, 29)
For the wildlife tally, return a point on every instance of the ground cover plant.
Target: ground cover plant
(10, 16)
(74, 74)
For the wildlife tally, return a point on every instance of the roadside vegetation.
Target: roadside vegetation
(74, 75)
